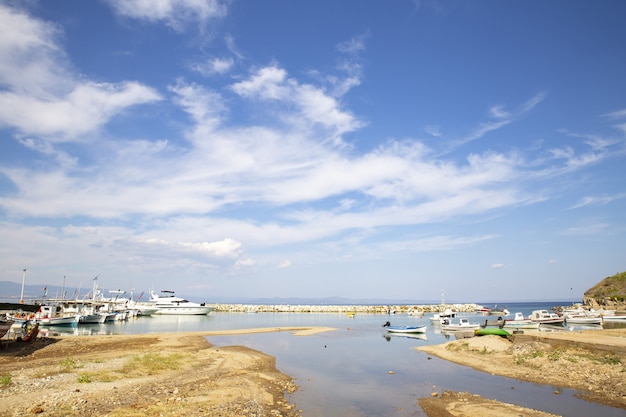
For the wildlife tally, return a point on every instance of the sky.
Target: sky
(359, 149)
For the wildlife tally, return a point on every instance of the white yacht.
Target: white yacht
(169, 303)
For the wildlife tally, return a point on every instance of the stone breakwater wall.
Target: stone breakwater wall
(346, 309)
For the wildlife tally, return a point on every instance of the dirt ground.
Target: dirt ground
(181, 374)
(142, 375)
(592, 361)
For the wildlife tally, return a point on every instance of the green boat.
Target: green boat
(491, 331)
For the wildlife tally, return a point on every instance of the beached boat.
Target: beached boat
(521, 322)
(462, 324)
(168, 303)
(488, 331)
(404, 329)
(545, 317)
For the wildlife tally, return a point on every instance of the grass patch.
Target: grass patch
(555, 355)
(68, 364)
(5, 380)
(608, 359)
(455, 347)
(83, 378)
(523, 359)
(152, 363)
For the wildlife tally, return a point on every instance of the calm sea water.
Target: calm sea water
(359, 369)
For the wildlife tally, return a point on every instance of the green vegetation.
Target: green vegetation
(83, 378)
(524, 358)
(611, 288)
(68, 364)
(152, 363)
(5, 380)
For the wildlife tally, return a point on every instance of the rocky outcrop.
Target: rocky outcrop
(608, 294)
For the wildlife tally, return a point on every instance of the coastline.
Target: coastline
(91, 376)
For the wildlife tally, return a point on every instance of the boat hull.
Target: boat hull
(488, 331)
(183, 311)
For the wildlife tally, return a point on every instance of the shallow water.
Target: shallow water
(347, 372)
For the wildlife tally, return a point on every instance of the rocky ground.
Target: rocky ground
(140, 375)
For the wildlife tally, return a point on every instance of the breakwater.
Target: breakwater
(346, 309)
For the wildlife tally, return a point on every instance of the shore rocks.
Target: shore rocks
(347, 309)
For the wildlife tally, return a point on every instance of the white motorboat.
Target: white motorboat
(168, 303)
(545, 317)
(582, 319)
(520, 322)
(462, 324)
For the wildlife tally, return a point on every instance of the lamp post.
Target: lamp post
(23, 279)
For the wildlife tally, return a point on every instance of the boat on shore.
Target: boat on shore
(169, 304)
(491, 331)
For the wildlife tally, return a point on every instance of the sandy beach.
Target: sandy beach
(181, 374)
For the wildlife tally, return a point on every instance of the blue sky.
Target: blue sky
(360, 149)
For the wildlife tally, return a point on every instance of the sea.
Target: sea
(359, 369)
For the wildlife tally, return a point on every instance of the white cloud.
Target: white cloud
(176, 14)
(45, 97)
(214, 66)
(284, 264)
(497, 266)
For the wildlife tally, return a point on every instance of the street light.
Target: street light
(23, 279)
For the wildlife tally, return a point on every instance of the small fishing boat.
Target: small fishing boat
(49, 315)
(404, 329)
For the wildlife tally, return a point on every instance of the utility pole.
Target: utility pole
(23, 279)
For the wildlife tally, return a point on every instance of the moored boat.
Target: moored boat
(521, 322)
(582, 319)
(462, 324)
(50, 315)
(404, 329)
(168, 303)
(545, 317)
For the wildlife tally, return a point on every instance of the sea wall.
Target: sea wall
(367, 309)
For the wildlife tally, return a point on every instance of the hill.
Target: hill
(609, 293)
